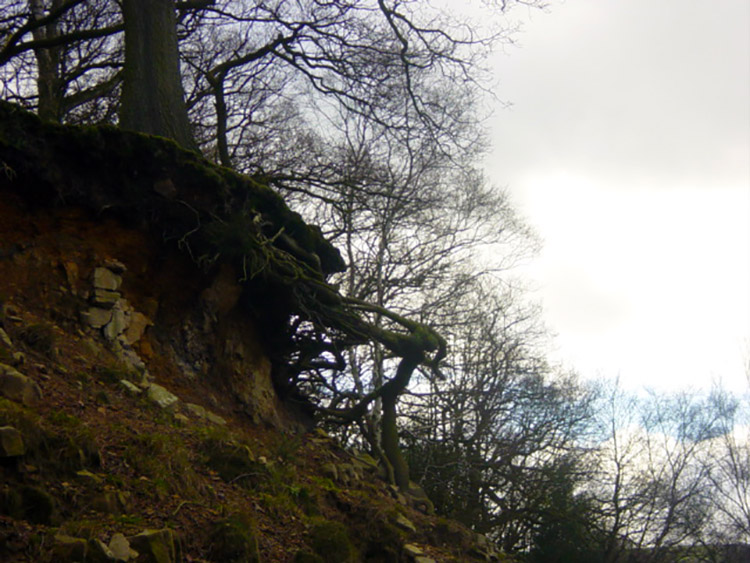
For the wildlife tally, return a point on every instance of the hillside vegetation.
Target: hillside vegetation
(141, 417)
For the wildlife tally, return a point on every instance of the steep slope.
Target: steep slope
(139, 413)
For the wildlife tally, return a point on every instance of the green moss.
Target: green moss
(102, 397)
(37, 505)
(6, 356)
(330, 539)
(11, 502)
(305, 498)
(234, 540)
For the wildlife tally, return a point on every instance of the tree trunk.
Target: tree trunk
(391, 392)
(217, 84)
(152, 95)
(49, 86)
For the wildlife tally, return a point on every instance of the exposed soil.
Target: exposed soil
(109, 461)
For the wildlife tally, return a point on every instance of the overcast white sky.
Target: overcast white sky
(628, 149)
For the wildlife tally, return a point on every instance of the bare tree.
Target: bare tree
(62, 57)
(411, 225)
(729, 470)
(652, 486)
(491, 440)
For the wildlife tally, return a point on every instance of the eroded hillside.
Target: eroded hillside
(140, 413)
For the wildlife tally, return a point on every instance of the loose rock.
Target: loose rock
(120, 548)
(160, 396)
(156, 546)
(96, 317)
(104, 278)
(68, 548)
(17, 387)
(130, 387)
(11, 442)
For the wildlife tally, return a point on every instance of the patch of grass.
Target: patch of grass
(57, 445)
(129, 520)
(286, 448)
(279, 506)
(164, 460)
(83, 528)
(325, 484)
(234, 461)
(64, 420)
(70, 448)
(111, 374)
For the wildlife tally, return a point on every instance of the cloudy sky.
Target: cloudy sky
(627, 147)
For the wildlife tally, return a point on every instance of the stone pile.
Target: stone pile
(112, 314)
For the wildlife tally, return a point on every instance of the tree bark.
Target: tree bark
(49, 86)
(152, 95)
(389, 438)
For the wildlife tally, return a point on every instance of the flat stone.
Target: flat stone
(115, 266)
(104, 278)
(117, 325)
(8, 352)
(160, 396)
(17, 387)
(215, 418)
(96, 317)
(197, 410)
(98, 552)
(71, 273)
(105, 297)
(120, 548)
(156, 546)
(205, 414)
(11, 442)
(130, 387)
(136, 327)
